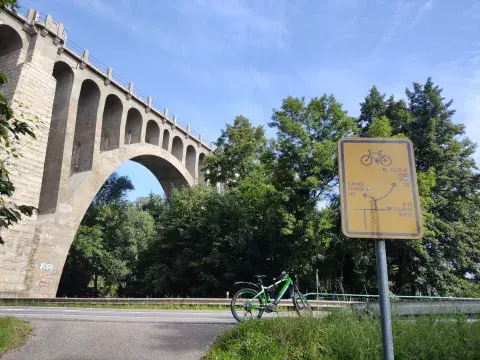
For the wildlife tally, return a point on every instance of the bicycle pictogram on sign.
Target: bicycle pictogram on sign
(367, 160)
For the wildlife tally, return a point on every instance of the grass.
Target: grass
(13, 333)
(346, 336)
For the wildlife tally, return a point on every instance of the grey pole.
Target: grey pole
(382, 274)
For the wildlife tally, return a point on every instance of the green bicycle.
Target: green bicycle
(254, 300)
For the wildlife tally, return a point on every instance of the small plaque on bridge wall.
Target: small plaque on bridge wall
(47, 267)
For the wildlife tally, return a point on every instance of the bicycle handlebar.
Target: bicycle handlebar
(282, 276)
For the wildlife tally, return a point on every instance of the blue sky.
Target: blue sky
(210, 60)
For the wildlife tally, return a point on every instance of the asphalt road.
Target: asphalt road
(104, 334)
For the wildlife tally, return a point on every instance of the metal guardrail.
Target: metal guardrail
(370, 298)
(399, 307)
(120, 81)
(163, 301)
(405, 305)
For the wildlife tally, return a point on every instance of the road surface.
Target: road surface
(104, 334)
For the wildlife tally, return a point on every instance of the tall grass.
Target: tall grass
(349, 337)
(13, 333)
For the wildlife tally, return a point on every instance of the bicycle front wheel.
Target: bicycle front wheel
(301, 305)
(385, 160)
(366, 160)
(246, 305)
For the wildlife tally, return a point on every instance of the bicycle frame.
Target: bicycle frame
(288, 281)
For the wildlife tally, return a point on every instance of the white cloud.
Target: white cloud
(402, 18)
(426, 7)
(227, 26)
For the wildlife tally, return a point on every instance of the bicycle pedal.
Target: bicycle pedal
(270, 308)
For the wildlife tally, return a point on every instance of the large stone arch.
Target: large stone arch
(133, 127)
(152, 133)
(200, 167)
(177, 148)
(85, 126)
(190, 159)
(112, 118)
(10, 40)
(11, 45)
(57, 231)
(64, 77)
(165, 139)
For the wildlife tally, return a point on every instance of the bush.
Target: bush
(346, 336)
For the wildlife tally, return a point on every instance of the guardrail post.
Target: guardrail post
(61, 36)
(188, 132)
(130, 91)
(109, 76)
(32, 18)
(149, 104)
(165, 114)
(83, 64)
(48, 26)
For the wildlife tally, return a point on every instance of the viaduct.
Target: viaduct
(91, 121)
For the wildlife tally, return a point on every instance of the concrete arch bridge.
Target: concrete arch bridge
(91, 122)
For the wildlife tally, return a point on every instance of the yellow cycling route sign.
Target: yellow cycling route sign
(378, 188)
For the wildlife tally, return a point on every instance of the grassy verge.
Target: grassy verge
(13, 333)
(348, 337)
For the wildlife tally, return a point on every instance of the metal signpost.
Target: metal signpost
(379, 200)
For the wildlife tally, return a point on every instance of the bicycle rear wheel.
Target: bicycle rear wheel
(301, 305)
(245, 306)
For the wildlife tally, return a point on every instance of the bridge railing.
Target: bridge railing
(405, 305)
(118, 79)
(363, 304)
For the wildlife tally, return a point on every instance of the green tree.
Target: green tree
(305, 171)
(448, 185)
(14, 128)
(83, 263)
(238, 152)
(104, 254)
(373, 107)
(209, 239)
(155, 205)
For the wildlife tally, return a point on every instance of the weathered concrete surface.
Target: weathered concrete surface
(89, 125)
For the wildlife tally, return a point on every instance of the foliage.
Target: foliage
(449, 185)
(207, 240)
(238, 151)
(106, 248)
(346, 336)
(12, 4)
(14, 129)
(13, 333)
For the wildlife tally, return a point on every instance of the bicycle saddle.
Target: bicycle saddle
(260, 276)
